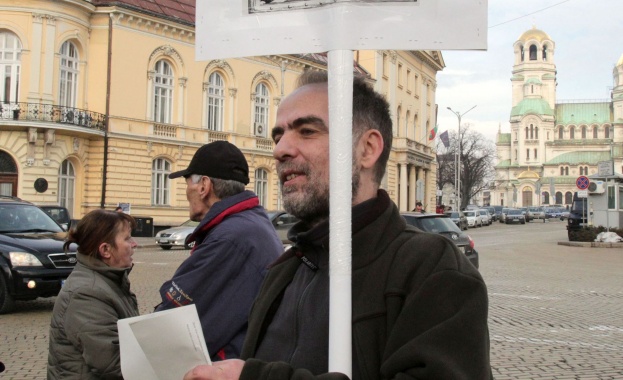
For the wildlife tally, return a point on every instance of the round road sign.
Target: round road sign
(582, 182)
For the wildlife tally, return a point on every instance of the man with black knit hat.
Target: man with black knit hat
(234, 244)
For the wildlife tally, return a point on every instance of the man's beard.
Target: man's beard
(311, 202)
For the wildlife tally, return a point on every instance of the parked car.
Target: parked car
(176, 236)
(536, 213)
(554, 212)
(494, 216)
(473, 218)
(515, 215)
(524, 211)
(282, 221)
(485, 216)
(458, 217)
(443, 225)
(60, 215)
(503, 213)
(33, 262)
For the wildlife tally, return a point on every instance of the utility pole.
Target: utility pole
(457, 178)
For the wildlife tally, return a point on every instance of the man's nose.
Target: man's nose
(284, 148)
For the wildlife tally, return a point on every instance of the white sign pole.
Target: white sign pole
(340, 201)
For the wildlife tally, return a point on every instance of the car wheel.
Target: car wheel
(166, 247)
(523, 222)
(6, 301)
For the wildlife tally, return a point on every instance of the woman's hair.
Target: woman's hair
(97, 227)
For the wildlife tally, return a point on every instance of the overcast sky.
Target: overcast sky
(589, 41)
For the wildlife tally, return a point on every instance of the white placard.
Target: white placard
(605, 168)
(241, 28)
(582, 193)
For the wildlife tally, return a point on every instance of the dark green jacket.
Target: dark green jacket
(419, 307)
(84, 343)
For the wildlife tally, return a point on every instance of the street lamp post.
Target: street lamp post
(457, 160)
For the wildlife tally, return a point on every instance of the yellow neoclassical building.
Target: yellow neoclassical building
(100, 100)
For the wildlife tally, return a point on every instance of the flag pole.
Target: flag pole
(340, 205)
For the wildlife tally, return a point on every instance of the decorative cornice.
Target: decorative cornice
(160, 27)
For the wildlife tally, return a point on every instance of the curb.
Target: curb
(591, 244)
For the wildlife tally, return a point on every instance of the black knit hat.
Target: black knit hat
(218, 159)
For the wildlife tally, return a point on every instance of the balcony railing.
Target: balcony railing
(51, 113)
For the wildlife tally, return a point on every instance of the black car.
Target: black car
(515, 215)
(443, 225)
(458, 218)
(32, 261)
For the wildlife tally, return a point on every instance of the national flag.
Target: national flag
(433, 133)
(445, 139)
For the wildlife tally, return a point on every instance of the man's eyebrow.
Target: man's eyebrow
(297, 123)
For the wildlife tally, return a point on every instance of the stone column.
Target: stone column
(403, 187)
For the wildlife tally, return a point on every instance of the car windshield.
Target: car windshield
(470, 213)
(189, 223)
(26, 218)
(453, 214)
(433, 224)
(514, 212)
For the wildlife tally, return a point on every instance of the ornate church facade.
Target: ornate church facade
(552, 142)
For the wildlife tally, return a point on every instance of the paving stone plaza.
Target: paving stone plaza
(556, 312)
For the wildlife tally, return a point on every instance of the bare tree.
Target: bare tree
(477, 163)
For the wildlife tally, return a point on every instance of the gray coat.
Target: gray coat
(84, 343)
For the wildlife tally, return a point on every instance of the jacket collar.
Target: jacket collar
(372, 222)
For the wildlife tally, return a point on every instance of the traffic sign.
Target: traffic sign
(583, 194)
(582, 182)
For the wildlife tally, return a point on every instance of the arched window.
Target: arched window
(536, 132)
(163, 92)
(215, 102)
(571, 133)
(66, 185)
(568, 198)
(583, 132)
(8, 176)
(535, 156)
(407, 124)
(545, 198)
(527, 154)
(262, 97)
(10, 66)
(398, 116)
(558, 198)
(527, 133)
(160, 182)
(521, 49)
(261, 186)
(69, 75)
(562, 171)
(595, 129)
(531, 131)
(560, 133)
(566, 170)
(544, 53)
(533, 52)
(607, 132)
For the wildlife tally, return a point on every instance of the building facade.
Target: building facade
(552, 142)
(102, 99)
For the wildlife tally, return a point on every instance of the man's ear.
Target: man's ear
(104, 250)
(371, 147)
(205, 185)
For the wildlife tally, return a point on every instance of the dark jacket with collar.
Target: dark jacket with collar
(234, 244)
(84, 343)
(419, 307)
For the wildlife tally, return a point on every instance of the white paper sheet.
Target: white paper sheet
(162, 345)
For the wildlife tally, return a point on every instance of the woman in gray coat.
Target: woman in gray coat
(84, 343)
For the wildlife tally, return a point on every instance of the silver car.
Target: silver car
(176, 236)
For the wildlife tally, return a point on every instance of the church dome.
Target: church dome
(534, 34)
(620, 61)
(528, 174)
